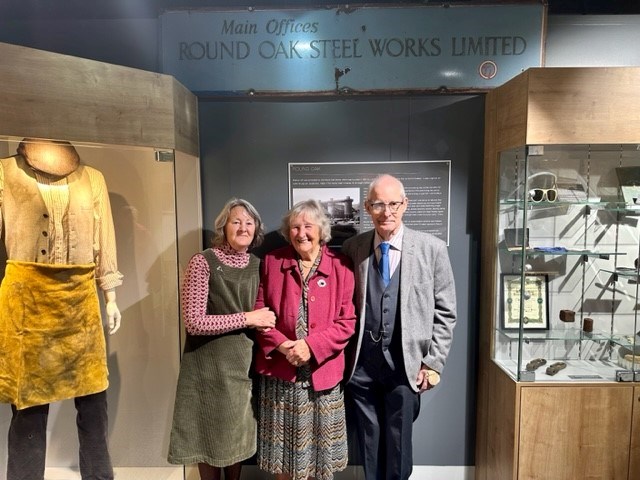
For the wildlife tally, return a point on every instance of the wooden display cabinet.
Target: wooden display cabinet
(559, 285)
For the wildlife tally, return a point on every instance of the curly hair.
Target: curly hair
(219, 237)
(315, 211)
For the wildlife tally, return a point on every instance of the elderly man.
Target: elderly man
(405, 298)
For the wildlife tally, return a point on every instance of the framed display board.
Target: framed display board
(535, 296)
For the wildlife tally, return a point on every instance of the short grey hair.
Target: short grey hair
(384, 176)
(219, 237)
(314, 210)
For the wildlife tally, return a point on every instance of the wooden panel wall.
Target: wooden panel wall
(487, 274)
(546, 106)
(502, 426)
(185, 110)
(584, 105)
(48, 95)
(634, 464)
(511, 113)
(571, 432)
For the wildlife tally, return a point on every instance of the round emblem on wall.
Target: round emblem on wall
(488, 69)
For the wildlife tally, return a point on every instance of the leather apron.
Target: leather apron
(52, 344)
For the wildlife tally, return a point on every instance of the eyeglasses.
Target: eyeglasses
(379, 207)
(537, 195)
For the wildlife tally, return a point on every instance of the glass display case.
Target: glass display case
(143, 355)
(140, 130)
(567, 279)
(559, 302)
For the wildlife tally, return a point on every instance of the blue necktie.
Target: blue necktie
(383, 265)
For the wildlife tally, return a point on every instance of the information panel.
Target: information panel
(342, 189)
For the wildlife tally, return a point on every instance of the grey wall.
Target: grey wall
(130, 42)
(245, 150)
(593, 41)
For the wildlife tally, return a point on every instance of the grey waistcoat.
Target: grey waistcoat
(383, 315)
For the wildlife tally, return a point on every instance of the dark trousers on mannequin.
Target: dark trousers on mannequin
(383, 408)
(27, 443)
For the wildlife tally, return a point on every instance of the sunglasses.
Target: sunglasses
(537, 195)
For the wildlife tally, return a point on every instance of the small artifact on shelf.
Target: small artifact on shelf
(555, 368)
(537, 195)
(629, 357)
(567, 315)
(587, 325)
(516, 238)
(535, 364)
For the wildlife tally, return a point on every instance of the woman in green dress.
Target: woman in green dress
(214, 424)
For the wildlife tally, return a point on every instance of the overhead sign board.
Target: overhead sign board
(351, 49)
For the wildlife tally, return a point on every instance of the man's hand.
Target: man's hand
(427, 378)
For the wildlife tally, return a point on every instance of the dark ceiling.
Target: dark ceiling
(111, 9)
(594, 7)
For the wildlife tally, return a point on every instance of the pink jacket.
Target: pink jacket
(331, 321)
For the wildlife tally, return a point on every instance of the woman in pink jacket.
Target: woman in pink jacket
(301, 430)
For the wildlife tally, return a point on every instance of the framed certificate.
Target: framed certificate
(535, 314)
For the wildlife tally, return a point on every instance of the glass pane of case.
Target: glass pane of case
(567, 258)
(143, 356)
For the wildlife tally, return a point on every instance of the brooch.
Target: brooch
(322, 282)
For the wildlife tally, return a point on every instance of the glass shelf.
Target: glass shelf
(628, 272)
(562, 203)
(587, 253)
(619, 207)
(573, 334)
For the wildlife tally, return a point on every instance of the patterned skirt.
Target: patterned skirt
(301, 432)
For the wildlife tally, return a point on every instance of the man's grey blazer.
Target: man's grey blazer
(427, 299)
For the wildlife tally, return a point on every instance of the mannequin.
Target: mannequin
(56, 224)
